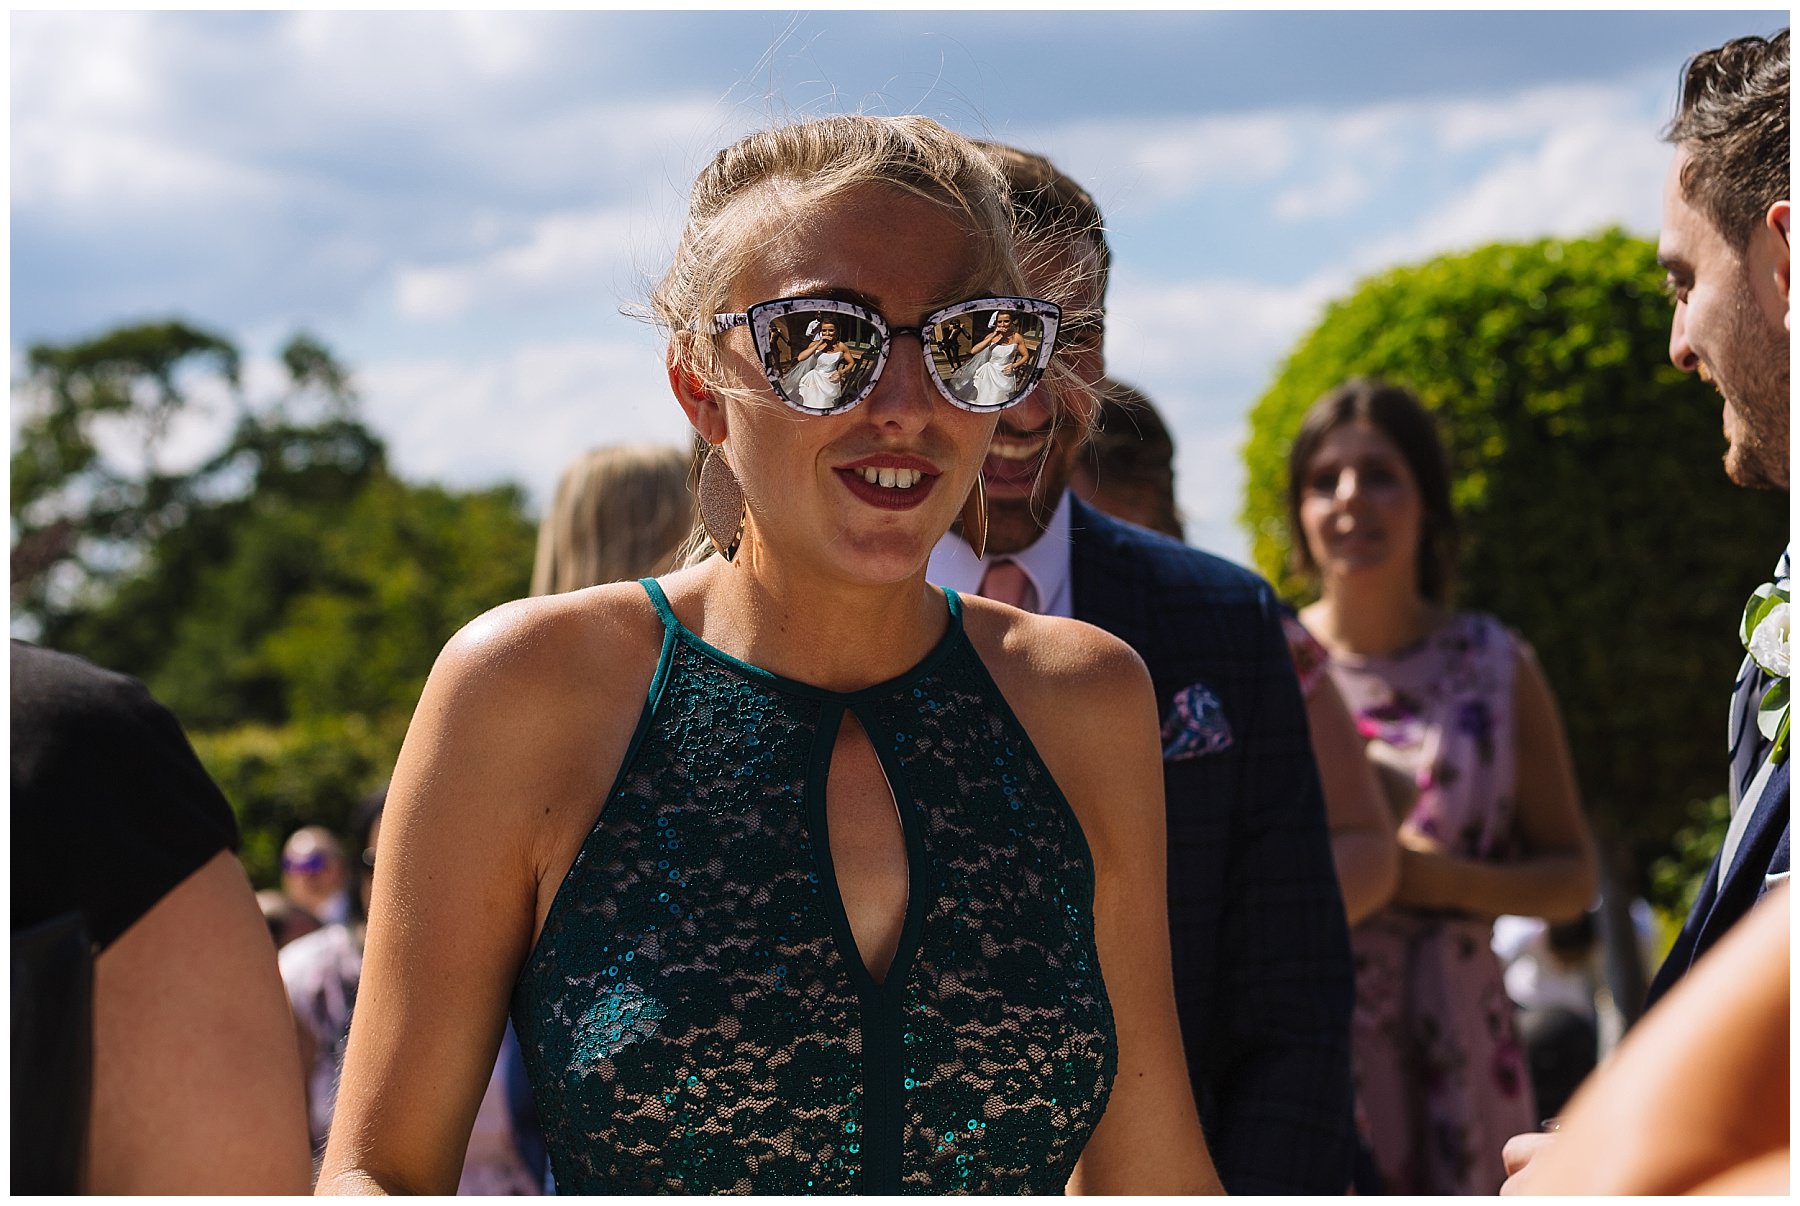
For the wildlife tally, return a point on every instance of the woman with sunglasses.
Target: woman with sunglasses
(796, 873)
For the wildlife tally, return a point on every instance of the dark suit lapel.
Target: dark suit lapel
(1720, 903)
(1751, 861)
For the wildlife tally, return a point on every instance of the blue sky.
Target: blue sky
(460, 203)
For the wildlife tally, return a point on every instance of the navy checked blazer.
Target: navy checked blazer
(1263, 978)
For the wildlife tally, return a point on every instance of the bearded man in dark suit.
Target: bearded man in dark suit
(1724, 245)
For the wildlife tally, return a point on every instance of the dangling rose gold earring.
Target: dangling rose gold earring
(974, 518)
(721, 504)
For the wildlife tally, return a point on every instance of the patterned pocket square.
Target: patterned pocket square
(1196, 725)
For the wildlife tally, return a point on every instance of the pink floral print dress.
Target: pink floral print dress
(1440, 1075)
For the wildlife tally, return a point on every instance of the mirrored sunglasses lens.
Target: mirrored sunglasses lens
(988, 358)
(822, 358)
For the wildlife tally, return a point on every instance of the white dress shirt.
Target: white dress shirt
(1046, 562)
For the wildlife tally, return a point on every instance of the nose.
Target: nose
(1681, 353)
(902, 398)
(1346, 487)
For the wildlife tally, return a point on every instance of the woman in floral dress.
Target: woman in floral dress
(1464, 732)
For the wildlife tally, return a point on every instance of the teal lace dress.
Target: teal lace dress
(695, 1016)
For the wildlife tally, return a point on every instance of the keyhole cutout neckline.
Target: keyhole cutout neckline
(871, 981)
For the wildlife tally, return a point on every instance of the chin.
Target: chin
(888, 556)
(1748, 468)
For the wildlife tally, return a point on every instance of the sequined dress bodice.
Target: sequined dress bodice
(695, 1016)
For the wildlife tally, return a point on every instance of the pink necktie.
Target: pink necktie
(1006, 582)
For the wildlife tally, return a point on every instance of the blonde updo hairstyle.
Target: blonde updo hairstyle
(793, 169)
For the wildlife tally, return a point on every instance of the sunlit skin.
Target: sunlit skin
(1730, 326)
(1034, 451)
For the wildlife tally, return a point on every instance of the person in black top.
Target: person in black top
(123, 847)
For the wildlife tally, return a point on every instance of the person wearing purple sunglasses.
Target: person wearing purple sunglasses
(314, 875)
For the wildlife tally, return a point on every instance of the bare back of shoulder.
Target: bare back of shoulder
(534, 704)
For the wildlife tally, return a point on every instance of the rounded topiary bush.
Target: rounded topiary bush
(1598, 519)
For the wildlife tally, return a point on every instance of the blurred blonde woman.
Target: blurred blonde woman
(621, 512)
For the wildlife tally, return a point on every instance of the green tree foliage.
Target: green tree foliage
(1599, 520)
(1675, 876)
(311, 772)
(285, 598)
(92, 483)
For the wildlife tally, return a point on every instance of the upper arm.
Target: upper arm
(1549, 803)
(1696, 1089)
(500, 752)
(1353, 797)
(197, 1085)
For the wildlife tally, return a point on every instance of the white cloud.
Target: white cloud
(1596, 172)
(383, 65)
(565, 255)
(1218, 328)
(1209, 487)
(1203, 351)
(85, 66)
(1342, 190)
(522, 414)
(1145, 164)
(91, 167)
(1326, 161)
(1467, 124)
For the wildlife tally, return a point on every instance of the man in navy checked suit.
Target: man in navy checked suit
(1263, 980)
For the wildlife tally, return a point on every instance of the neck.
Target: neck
(831, 633)
(1369, 617)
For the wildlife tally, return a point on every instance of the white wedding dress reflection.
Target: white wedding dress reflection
(812, 381)
(984, 380)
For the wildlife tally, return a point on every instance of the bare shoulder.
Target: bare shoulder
(527, 714)
(1031, 655)
(1086, 701)
(531, 660)
(1531, 685)
(544, 640)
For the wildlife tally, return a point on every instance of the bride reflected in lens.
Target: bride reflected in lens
(817, 378)
(991, 373)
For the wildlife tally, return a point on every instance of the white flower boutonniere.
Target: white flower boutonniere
(1764, 632)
